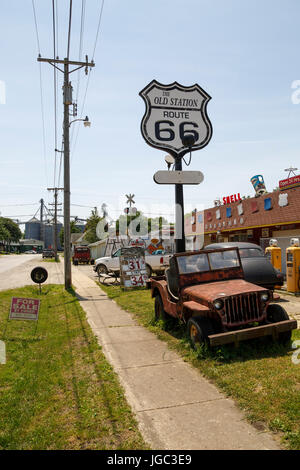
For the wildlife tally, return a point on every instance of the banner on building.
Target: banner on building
(289, 182)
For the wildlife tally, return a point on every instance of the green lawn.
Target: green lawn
(259, 374)
(57, 391)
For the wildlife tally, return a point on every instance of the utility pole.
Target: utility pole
(55, 219)
(67, 100)
(42, 221)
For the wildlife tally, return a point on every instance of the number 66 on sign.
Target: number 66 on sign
(173, 112)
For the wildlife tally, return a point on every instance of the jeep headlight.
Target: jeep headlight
(218, 304)
(264, 297)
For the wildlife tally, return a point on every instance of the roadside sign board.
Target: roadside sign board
(132, 267)
(178, 177)
(24, 309)
(289, 183)
(173, 112)
(39, 275)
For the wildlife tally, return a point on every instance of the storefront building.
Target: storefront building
(255, 220)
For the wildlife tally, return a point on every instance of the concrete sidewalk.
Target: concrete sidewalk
(176, 408)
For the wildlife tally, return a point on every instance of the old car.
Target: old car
(257, 267)
(48, 253)
(207, 291)
(82, 255)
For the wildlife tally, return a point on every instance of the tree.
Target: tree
(74, 229)
(4, 234)
(91, 225)
(142, 227)
(10, 231)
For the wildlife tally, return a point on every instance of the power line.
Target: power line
(88, 80)
(36, 28)
(55, 84)
(98, 29)
(41, 90)
(18, 205)
(82, 20)
(69, 32)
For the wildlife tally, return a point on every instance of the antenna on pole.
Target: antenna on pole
(291, 170)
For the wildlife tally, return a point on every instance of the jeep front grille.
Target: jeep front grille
(242, 309)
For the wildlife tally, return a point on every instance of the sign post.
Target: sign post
(39, 275)
(176, 120)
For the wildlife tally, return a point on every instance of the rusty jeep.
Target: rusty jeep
(207, 291)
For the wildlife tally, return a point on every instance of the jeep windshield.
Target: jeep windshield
(203, 262)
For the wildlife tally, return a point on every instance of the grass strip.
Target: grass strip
(259, 375)
(57, 390)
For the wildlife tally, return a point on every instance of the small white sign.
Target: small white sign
(178, 177)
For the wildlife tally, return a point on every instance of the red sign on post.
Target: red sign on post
(24, 309)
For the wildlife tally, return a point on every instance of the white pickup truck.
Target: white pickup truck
(155, 263)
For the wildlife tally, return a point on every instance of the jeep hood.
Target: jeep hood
(216, 290)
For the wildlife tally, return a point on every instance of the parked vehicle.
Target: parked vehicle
(207, 291)
(82, 255)
(30, 252)
(48, 254)
(258, 269)
(154, 263)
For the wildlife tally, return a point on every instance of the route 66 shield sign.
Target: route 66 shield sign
(173, 112)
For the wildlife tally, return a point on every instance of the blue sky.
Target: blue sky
(244, 53)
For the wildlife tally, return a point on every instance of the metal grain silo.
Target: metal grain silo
(33, 229)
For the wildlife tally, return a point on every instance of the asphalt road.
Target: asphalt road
(15, 270)
(10, 262)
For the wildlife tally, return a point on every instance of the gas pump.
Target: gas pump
(293, 266)
(273, 252)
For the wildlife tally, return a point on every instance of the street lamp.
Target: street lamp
(169, 161)
(86, 122)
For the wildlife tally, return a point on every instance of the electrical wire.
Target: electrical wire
(69, 32)
(55, 85)
(41, 91)
(82, 21)
(17, 205)
(36, 27)
(188, 164)
(88, 80)
(98, 29)
(60, 164)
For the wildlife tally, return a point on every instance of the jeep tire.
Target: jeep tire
(159, 311)
(275, 314)
(198, 330)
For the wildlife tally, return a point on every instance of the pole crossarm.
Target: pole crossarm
(66, 61)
